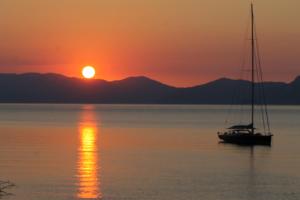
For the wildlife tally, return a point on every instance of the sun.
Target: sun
(88, 72)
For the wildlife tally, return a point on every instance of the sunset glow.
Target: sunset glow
(186, 44)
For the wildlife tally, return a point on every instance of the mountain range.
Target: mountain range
(56, 88)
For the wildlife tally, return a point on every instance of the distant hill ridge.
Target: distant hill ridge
(56, 88)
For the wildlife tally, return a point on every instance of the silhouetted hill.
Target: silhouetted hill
(55, 88)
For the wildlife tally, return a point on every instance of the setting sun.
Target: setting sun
(88, 72)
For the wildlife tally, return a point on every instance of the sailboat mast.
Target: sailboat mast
(252, 67)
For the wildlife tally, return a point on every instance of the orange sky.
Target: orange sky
(178, 42)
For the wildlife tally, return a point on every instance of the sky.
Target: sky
(181, 43)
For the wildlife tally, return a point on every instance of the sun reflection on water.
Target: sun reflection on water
(88, 166)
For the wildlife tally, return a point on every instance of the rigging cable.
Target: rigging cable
(236, 97)
(263, 88)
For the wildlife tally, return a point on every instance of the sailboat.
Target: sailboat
(247, 134)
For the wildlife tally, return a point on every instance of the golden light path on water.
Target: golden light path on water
(88, 163)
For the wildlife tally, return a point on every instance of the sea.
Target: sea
(143, 152)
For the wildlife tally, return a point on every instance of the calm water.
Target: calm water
(143, 152)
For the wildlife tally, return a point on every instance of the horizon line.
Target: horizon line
(146, 77)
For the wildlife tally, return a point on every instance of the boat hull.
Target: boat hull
(247, 139)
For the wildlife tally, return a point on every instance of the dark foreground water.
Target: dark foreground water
(143, 152)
